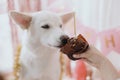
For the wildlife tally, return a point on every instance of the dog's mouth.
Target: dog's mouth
(57, 46)
(60, 46)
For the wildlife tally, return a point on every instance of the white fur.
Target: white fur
(39, 56)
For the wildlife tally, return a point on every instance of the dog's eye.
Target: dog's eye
(60, 26)
(46, 26)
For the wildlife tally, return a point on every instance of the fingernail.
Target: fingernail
(76, 55)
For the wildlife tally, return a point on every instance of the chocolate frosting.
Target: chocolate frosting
(75, 45)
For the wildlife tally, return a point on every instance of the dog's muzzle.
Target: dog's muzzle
(63, 39)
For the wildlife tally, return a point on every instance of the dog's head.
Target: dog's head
(44, 27)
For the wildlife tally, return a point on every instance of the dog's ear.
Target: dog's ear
(21, 19)
(67, 16)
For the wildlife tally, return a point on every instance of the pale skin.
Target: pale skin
(95, 58)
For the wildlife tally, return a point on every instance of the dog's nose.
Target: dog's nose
(64, 39)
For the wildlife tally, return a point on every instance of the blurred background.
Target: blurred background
(97, 20)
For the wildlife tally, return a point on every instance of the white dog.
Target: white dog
(40, 52)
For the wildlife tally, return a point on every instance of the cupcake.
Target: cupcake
(75, 45)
